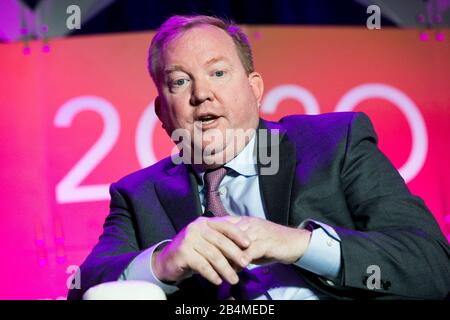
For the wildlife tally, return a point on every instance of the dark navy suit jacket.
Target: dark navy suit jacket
(330, 170)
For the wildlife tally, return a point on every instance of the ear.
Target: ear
(257, 84)
(158, 109)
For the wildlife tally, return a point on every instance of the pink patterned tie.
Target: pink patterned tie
(212, 196)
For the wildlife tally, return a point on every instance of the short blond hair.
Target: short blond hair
(176, 25)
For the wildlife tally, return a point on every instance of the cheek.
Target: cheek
(179, 111)
(241, 93)
(246, 105)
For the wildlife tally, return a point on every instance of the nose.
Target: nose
(201, 92)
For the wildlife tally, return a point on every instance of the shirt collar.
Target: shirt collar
(245, 162)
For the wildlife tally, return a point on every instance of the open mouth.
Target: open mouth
(207, 119)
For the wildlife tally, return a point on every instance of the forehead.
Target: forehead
(198, 45)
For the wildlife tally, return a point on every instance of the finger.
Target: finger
(236, 268)
(244, 224)
(217, 260)
(252, 231)
(197, 263)
(228, 248)
(233, 219)
(231, 231)
(256, 251)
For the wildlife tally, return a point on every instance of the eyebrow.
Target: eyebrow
(208, 63)
(215, 60)
(173, 69)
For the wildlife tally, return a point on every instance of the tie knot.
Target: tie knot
(213, 178)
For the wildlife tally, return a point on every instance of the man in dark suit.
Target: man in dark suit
(306, 208)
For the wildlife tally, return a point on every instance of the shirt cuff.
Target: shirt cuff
(141, 269)
(323, 255)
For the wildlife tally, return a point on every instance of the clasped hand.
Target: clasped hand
(217, 248)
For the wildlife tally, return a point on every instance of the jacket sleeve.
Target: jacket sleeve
(395, 232)
(116, 248)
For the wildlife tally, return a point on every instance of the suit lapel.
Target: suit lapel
(179, 196)
(276, 188)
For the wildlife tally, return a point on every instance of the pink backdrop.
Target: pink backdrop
(79, 117)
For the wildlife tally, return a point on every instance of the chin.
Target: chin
(223, 156)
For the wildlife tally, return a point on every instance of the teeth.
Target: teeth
(206, 121)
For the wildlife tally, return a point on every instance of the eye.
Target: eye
(219, 73)
(179, 82)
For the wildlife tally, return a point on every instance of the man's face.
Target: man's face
(203, 85)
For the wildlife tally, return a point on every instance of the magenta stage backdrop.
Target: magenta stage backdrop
(80, 116)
